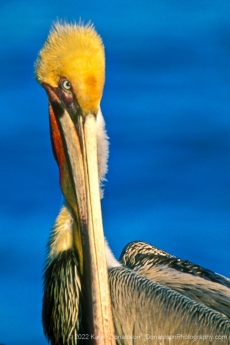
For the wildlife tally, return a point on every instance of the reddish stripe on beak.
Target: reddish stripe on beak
(57, 144)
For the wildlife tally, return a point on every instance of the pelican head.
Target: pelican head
(73, 60)
(71, 68)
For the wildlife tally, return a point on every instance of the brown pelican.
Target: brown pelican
(151, 297)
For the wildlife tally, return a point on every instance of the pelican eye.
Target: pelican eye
(66, 85)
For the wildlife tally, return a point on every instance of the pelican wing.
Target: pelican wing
(199, 284)
(144, 310)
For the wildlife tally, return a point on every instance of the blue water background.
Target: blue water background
(167, 107)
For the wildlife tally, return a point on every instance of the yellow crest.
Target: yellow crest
(75, 52)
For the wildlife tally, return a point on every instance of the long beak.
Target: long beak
(75, 148)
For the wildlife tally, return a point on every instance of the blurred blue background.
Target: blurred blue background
(166, 103)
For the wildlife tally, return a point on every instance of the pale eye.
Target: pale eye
(66, 85)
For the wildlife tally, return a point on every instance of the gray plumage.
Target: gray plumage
(145, 306)
(199, 284)
(138, 253)
(145, 311)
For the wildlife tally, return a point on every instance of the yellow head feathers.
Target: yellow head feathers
(75, 52)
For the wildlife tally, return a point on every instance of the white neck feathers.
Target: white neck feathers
(102, 149)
